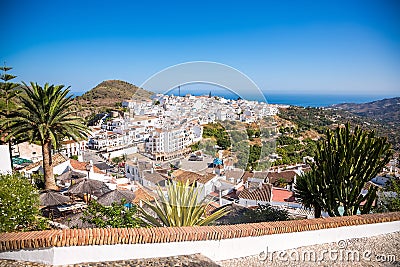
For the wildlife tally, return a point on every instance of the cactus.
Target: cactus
(345, 161)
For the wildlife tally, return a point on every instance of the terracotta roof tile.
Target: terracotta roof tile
(288, 176)
(281, 195)
(81, 166)
(184, 176)
(206, 177)
(56, 158)
(262, 193)
(85, 237)
(142, 194)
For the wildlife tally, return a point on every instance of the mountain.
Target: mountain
(109, 95)
(385, 110)
(319, 119)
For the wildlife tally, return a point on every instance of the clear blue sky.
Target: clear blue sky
(323, 47)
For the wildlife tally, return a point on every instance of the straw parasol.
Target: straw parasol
(89, 186)
(116, 196)
(50, 198)
(70, 175)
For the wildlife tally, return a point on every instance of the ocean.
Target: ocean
(318, 100)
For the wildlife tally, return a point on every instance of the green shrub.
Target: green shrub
(264, 213)
(116, 216)
(19, 204)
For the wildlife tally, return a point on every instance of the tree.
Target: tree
(310, 192)
(46, 114)
(253, 159)
(217, 131)
(118, 161)
(8, 92)
(181, 207)
(224, 141)
(19, 204)
(344, 162)
(116, 216)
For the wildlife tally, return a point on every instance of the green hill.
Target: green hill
(109, 95)
(385, 110)
(318, 119)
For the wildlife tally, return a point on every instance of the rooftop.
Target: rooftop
(56, 158)
(262, 193)
(281, 195)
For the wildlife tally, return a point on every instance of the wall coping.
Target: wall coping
(113, 236)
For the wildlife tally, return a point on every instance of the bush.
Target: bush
(116, 216)
(265, 213)
(19, 204)
(38, 180)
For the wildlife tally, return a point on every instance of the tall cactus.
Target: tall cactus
(345, 161)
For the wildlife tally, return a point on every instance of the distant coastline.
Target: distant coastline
(303, 100)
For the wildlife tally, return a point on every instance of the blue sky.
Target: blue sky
(293, 47)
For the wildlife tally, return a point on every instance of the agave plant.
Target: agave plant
(181, 207)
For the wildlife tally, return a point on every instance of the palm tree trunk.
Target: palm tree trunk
(49, 181)
(317, 211)
(10, 150)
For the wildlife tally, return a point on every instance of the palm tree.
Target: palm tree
(308, 193)
(180, 208)
(46, 115)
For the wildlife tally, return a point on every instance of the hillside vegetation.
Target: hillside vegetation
(109, 95)
(318, 119)
(385, 110)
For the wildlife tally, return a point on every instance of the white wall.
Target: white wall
(251, 202)
(5, 161)
(214, 249)
(61, 168)
(118, 153)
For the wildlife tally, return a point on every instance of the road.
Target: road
(92, 155)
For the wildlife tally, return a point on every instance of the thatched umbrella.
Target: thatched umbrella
(70, 175)
(116, 196)
(89, 186)
(50, 198)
